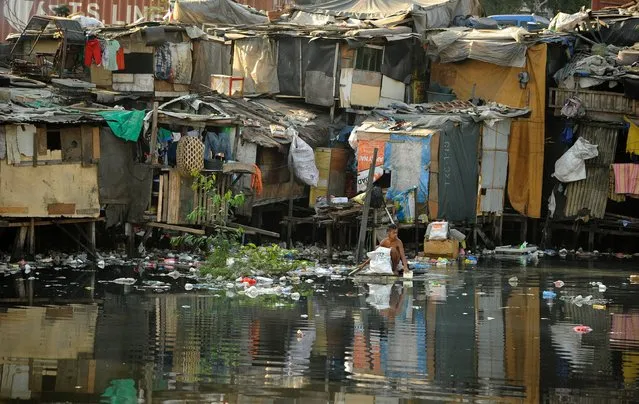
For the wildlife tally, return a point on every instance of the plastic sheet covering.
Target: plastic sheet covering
(377, 9)
(563, 22)
(255, 60)
(501, 84)
(216, 12)
(494, 166)
(397, 61)
(319, 80)
(124, 186)
(501, 47)
(458, 171)
(289, 66)
(209, 57)
(181, 63)
(400, 155)
(304, 18)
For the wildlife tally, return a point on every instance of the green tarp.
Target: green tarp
(125, 124)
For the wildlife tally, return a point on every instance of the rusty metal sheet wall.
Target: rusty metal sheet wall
(14, 14)
(592, 193)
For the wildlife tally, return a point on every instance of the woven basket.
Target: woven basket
(190, 155)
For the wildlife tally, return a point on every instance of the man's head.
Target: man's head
(391, 232)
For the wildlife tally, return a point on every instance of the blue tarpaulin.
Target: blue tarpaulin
(408, 159)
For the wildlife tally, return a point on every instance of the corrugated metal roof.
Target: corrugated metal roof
(592, 193)
(605, 137)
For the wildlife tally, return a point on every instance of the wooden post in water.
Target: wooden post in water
(367, 206)
(154, 134)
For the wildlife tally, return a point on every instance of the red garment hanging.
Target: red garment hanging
(92, 52)
(119, 58)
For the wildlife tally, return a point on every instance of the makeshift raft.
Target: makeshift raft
(510, 250)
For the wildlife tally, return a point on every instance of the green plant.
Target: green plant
(219, 206)
(270, 260)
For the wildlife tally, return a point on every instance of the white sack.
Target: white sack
(571, 166)
(380, 261)
(302, 158)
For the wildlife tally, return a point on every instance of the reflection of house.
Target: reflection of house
(63, 364)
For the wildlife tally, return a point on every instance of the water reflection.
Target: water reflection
(457, 335)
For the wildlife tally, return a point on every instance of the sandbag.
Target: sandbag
(571, 166)
(302, 159)
(380, 261)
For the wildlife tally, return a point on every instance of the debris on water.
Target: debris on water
(262, 279)
(602, 288)
(634, 279)
(186, 306)
(559, 283)
(599, 306)
(579, 300)
(304, 316)
(309, 281)
(549, 294)
(252, 292)
(174, 274)
(490, 318)
(101, 264)
(300, 334)
(295, 296)
(582, 329)
(188, 286)
(514, 281)
(249, 281)
(563, 253)
(124, 281)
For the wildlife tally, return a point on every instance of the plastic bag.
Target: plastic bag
(437, 231)
(571, 166)
(302, 159)
(380, 261)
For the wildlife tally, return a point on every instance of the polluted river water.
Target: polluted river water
(560, 331)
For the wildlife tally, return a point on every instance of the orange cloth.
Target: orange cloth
(256, 181)
(119, 58)
(526, 145)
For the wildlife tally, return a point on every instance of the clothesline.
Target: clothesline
(106, 53)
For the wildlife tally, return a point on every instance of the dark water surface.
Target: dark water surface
(472, 335)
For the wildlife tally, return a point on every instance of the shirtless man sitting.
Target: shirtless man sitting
(397, 251)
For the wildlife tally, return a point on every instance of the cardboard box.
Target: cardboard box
(444, 249)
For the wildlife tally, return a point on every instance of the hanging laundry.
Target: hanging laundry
(92, 52)
(215, 143)
(164, 135)
(632, 144)
(163, 62)
(626, 178)
(612, 195)
(119, 58)
(109, 55)
(256, 180)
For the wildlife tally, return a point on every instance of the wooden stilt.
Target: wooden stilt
(591, 237)
(367, 204)
(32, 237)
(91, 234)
(18, 246)
(524, 229)
(329, 243)
(130, 240)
